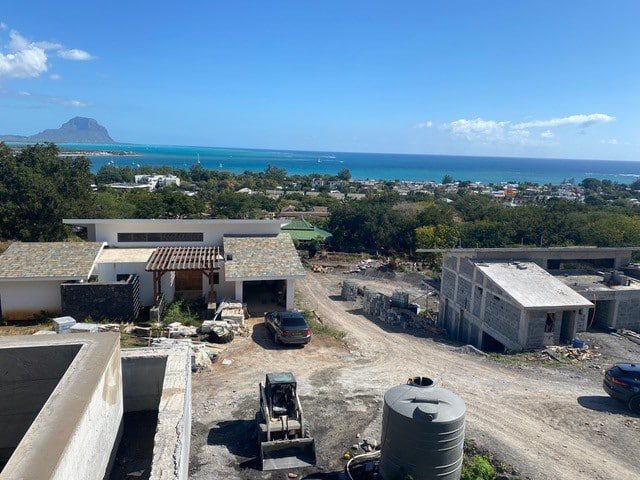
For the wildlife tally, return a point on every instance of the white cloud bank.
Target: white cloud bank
(493, 131)
(26, 59)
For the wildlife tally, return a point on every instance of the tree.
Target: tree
(437, 236)
(38, 188)
(447, 179)
(344, 174)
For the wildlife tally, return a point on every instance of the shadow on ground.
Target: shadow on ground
(239, 437)
(604, 403)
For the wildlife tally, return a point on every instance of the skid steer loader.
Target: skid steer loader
(283, 436)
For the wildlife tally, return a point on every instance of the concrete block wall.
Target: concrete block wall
(503, 317)
(628, 314)
(99, 300)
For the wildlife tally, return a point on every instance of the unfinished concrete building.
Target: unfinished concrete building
(526, 298)
(73, 407)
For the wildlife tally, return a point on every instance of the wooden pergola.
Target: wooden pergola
(171, 259)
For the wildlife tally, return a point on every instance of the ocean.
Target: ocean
(385, 166)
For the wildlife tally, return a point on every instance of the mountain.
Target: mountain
(76, 130)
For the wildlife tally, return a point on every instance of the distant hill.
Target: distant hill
(76, 130)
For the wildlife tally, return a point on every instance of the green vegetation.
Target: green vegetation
(38, 189)
(183, 312)
(319, 328)
(478, 467)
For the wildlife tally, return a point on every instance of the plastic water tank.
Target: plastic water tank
(422, 432)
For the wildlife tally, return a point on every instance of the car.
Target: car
(288, 327)
(622, 382)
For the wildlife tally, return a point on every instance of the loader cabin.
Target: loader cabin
(148, 261)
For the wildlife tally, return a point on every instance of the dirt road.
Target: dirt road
(549, 424)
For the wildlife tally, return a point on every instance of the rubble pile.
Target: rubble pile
(568, 353)
(396, 311)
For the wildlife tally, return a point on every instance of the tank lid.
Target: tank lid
(421, 400)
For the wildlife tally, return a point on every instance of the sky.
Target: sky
(557, 79)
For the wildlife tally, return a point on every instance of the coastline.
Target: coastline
(363, 166)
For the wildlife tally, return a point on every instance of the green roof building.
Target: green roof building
(301, 230)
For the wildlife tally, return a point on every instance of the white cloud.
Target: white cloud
(23, 58)
(508, 132)
(547, 134)
(24, 94)
(580, 120)
(3, 26)
(611, 141)
(75, 103)
(55, 76)
(75, 54)
(426, 124)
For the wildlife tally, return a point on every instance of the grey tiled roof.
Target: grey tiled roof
(261, 257)
(50, 259)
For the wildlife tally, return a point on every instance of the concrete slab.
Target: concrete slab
(61, 404)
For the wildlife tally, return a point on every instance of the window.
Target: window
(158, 237)
(121, 277)
(549, 326)
(216, 278)
(479, 290)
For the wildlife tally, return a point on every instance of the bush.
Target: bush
(179, 311)
(477, 467)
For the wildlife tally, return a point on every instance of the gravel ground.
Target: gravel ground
(549, 423)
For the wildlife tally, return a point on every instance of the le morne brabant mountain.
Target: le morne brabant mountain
(76, 130)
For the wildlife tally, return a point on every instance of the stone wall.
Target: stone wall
(102, 300)
(535, 329)
(349, 290)
(477, 300)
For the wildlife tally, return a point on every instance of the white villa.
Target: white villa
(249, 261)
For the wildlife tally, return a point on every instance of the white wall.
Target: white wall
(21, 300)
(291, 290)
(213, 232)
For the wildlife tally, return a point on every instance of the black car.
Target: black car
(288, 327)
(622, 382)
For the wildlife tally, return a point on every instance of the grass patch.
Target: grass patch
(319, 328)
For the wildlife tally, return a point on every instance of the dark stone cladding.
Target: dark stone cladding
(102, 300)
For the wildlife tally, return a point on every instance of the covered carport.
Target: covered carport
(264, 270)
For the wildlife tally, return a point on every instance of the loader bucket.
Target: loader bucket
(282, 454)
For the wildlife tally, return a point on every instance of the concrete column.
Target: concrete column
(239, 291)
(613, 311)
(291, 290)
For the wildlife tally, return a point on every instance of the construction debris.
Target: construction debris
(63, 324)
(631, 335)
(562, 353)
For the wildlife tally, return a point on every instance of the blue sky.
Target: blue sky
(539, 78)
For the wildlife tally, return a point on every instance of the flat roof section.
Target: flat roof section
(592, 282)
(163, 221)
(261, 258)
(531, 286)
(49, 260)
(125, 255)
